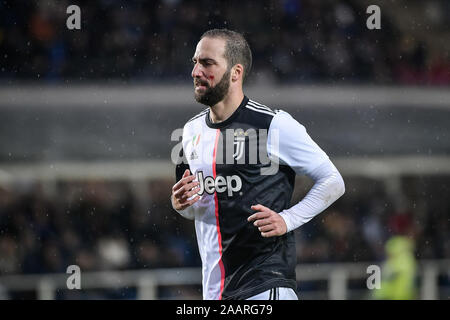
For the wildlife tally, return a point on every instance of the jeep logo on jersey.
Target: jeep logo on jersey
(221, 184)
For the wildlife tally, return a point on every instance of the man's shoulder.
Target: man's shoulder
(197, 117)
(258, 107)
(262, 114)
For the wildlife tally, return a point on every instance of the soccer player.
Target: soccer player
(240, 201)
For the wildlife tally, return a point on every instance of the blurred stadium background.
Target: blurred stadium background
(86, 118)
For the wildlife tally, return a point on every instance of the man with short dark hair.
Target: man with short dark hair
(243, 157)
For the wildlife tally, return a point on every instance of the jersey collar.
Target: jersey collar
(227, 121)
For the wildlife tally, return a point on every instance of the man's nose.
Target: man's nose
(196, 71)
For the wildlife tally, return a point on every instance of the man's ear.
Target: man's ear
(237, 72)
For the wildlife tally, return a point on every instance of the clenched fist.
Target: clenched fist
(183, 190)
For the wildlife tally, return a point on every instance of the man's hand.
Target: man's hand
(269, 222)
(183, 190)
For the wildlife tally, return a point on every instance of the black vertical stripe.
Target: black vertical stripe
(231, 214)
(182, 166)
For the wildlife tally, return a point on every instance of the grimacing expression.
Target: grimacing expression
(212, 95)
(209, 63)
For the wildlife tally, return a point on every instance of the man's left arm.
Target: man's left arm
(290, 144)
(328, 187)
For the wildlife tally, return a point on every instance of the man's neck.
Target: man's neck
(225, 108)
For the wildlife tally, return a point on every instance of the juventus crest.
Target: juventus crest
(239, 144)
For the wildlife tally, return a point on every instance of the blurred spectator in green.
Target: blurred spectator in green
(399, 271)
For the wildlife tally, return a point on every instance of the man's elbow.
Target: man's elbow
(337, 187)
(187, 214)
(341, 187)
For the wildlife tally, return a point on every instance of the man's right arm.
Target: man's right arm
(183, 190)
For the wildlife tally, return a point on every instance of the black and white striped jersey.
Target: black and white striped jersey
(250, 158)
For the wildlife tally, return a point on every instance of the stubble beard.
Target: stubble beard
(214, 95)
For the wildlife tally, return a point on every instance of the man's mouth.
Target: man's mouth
(200, 85)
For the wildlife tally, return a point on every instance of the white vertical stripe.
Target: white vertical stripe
(205, 219)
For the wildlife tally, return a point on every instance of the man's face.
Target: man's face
(210, 73)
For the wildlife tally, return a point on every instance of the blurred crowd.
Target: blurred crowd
(101, 225)
(299, 41)
(357, 227)
(96, 225)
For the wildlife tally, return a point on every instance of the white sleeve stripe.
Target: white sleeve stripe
(259, 106)
(259, 110)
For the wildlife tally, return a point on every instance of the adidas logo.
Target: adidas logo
(194, 155)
